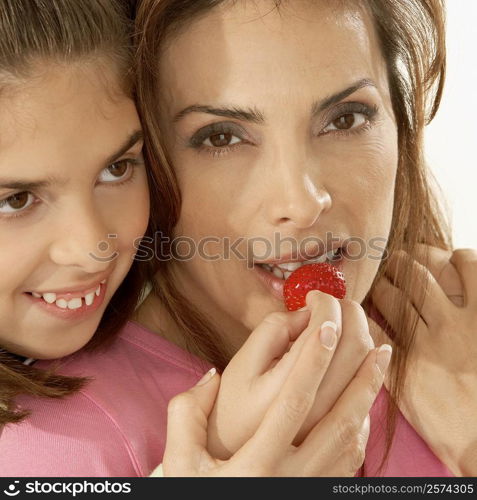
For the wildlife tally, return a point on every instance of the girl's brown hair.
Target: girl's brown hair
(65, 31)
(412, 40)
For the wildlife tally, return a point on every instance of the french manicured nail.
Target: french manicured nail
(328, 334)
(383, 356)
(207, 377)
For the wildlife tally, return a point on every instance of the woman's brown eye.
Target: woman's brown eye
(344, 122)
(118, 169)
(18, 201)
(220, 140)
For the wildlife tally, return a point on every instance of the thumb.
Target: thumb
(187, 415)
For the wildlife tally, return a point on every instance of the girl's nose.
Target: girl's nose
(83, 241)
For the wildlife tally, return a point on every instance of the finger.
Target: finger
(437, 260)
(290, 408)
(386, 298)
(322, 307)
(341, 427)
(270, 340)
(378, 334)
(353, 347)
(187, 415)
(425, 293)
(348, 464)
(378, 326)
(465, 261)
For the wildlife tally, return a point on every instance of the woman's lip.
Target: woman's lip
(294, 257)
(69, 314)
(271, 282)
(275, 285)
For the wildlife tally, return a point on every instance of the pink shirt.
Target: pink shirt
(115, 426)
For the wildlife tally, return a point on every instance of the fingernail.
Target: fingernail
(383, 356)
(305, 308)
(207, 377)
(328, 334)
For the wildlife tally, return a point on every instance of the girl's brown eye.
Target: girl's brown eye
(18, 201)
(118, 169)
(344, 122)
(220, 140)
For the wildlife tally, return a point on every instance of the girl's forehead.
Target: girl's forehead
(65, 118)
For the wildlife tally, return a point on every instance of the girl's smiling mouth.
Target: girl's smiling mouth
(70, 305)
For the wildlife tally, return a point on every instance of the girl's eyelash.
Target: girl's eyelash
(197, 140)
(22, 213)
(133, 162)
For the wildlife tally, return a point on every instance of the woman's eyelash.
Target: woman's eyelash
(232, 129)
(348, 108)
(213, 129)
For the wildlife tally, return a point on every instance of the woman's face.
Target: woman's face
(280, 127)
(73, 199)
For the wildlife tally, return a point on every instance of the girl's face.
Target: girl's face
(280, 127)
(73, 199)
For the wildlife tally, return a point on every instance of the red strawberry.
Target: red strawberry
(324, 277)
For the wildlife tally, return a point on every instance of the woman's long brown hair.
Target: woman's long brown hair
(64, 31)
(412, 40)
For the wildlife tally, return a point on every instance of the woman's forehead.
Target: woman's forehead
(297, 48)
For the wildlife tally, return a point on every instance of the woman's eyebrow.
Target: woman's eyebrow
(320, 106)
(249, 114)
(255, 116)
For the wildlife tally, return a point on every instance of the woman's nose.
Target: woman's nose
(82, 240)
(296, 195)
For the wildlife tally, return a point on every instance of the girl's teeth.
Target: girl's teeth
(75, 303)
(49, 297)
(286, 274)
(89, 298)
(277, 273)
(62, 304)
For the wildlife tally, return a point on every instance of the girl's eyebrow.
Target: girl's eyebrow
(255, 116)
(30, 185)
(131, 141)
(19, 185)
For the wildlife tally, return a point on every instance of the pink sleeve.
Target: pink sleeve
(65, 437)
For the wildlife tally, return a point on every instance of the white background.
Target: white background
(451, 139)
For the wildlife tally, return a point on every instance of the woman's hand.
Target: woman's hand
(440, 394)
(335, 446)
(254, 376)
